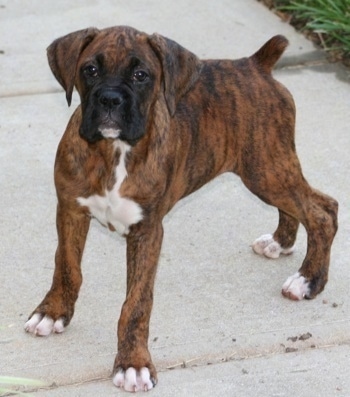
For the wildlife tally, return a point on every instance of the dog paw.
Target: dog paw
(132, 380)
(41, 325)
(296, 287)
(266, 245)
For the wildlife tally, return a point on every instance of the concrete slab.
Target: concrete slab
(274, 376)
(215, 301)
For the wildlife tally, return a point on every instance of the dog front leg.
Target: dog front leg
(57, 308)
(133, 367)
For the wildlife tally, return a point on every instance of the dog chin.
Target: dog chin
(110, 133)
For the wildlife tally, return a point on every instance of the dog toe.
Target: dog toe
(32, 323)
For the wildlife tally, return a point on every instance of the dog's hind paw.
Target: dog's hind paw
(43, 325)
(266, 245)
(132, 380)
(296, 287)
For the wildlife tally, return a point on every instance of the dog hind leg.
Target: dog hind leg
(297, 202)
(319, 217)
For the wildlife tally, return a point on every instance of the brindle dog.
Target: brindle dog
(155, 124)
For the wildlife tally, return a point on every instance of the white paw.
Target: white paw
(43, 326)
(296, 287)
(133, 381)
(266, 245)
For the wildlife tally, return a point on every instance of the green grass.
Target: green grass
(328, 18)
(7, 384)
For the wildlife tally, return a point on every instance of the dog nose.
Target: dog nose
(111, 98)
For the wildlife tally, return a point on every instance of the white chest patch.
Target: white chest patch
(111, 208)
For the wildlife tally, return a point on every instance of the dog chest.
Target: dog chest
(110, 209)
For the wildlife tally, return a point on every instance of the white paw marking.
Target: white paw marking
(111, 208)
(266, 245)
(296, 287)
(132, 380)
(43, 326)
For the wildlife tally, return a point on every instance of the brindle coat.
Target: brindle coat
(186, 121)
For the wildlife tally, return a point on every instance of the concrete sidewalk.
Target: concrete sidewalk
(220, 326)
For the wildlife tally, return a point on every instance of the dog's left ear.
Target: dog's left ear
(63, 55)
(181, 69)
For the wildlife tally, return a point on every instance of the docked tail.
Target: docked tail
(270, 52)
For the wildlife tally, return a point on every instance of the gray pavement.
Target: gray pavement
(220, 326)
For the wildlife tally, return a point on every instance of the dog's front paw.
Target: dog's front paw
(132, 380)
(296, 287)
(51, 316)
(266, 245)
(43, 325)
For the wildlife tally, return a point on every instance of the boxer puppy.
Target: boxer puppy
(155, 124)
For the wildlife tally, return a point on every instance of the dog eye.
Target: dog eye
(140, 76)
(91, 71)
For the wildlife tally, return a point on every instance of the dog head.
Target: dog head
(120, 73)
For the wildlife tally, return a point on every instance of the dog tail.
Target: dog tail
(270, 52)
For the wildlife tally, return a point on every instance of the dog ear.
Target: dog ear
(63, 55)
(181, 69)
